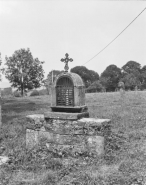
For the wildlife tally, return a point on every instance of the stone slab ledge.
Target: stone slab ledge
(94, 121)
(65, 115)
(36, 117)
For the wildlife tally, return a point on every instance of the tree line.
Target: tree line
(25, 72)
(130, 77)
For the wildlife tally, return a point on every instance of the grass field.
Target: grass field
(128, 159)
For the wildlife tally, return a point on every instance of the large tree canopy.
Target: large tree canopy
(23, 71)
(131, 67)
(143, 75)
(131, 75)
(131, 81)
(88, 76)
(110, 77)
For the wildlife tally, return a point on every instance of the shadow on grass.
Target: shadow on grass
(18, 107)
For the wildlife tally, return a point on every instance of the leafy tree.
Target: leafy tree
(143, 75)
(24, 71)
(110, 77)
(50, 79)
(131, 81)
(95, 87)
(94, 75)
(88, 76)
(132, 76)
(131, 67)
(52, 76)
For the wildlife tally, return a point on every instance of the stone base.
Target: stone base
(75, 109)
(65, 115)
(70, 137)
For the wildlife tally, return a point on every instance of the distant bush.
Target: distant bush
(43, 92)
(6, 91)
(16, 94)
(95, 87)
(35, 93)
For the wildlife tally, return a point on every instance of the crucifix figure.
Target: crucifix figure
(66, 60)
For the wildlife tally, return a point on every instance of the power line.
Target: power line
(116, 36)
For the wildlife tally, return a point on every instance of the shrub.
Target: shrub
(16, 94)
(6, 91)
(35, 93)
(43, 92)
(95, 87)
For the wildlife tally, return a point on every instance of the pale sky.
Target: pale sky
(80, 28)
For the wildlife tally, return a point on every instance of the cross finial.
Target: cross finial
(66, 60)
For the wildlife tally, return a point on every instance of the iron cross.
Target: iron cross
(66, 60)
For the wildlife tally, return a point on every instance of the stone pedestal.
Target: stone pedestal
(68, 135)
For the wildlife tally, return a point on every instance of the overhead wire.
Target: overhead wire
(116, 36)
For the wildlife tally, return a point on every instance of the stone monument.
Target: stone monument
(68, 94)
(67, 128)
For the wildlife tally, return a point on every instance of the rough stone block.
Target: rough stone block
(32, 138)
(35, 121)
(95, 126)
(42, 133)
(96, 145)
(94, 121)
(87, 135)
(64, 127)
(67, 150)
(39, 117)
(61, 139)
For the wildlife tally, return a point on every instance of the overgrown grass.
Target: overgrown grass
(20, 107)
(126, 161)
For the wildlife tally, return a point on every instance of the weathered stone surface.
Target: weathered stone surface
(96, 145)
(39, 117)
(79, 127)
(94, 121)
(76, 99)
(65, 116)
(64, 127)
(35, 121)
(67, 150)
(86, 135)
(68, 143)
(61, 139)
(76, 109)
(95, 126)
(42, 133)
(32, 138)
